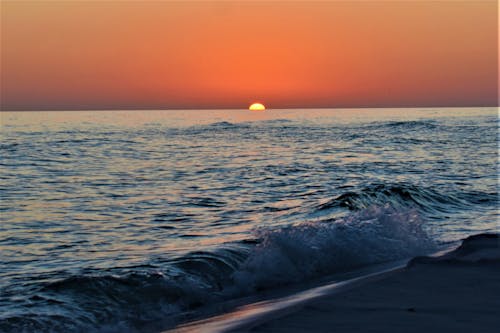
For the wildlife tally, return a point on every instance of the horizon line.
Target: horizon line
(231, 108)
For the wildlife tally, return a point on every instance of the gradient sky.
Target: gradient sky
(206, 54)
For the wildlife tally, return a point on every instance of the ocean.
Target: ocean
(131, 221)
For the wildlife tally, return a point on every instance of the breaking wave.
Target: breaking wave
(298, 252)
(150, 299)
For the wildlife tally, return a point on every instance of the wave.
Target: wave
(412, 123)
(409, 124)
(427, 200)
(226, 125)
(299, 252)
(146, 299)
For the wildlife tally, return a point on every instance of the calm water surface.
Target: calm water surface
(122, 220)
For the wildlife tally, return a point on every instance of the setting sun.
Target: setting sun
(257, 107)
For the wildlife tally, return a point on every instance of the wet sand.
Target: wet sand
(455, 292)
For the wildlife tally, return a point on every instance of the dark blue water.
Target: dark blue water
(124, 220)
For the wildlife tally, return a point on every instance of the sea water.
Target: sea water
(117, 221)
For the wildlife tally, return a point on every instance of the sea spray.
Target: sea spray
(298, 252)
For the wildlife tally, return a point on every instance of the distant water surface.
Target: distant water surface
(117, 221)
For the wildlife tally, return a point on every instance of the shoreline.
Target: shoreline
(451, 291)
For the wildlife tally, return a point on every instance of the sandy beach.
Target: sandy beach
(454, 292)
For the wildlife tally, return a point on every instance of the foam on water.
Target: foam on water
(298, 252)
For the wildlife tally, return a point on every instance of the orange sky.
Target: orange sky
(163, 54)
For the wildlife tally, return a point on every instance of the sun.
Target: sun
(257, 107)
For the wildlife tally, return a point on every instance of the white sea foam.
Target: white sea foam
(305, 250)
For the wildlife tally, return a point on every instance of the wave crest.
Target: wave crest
(295, 253)
(405, 196)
